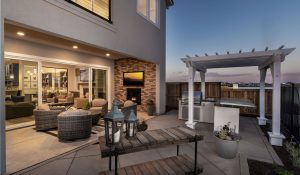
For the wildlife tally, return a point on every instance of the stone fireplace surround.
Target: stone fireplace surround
(148, 91)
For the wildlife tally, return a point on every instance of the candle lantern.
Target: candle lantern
(131, 125)
(115, 119)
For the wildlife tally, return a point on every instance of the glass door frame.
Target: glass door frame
(108, 90)
(40, 60)
(12, 56)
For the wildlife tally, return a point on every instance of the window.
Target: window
(149, 9)
(100, 8)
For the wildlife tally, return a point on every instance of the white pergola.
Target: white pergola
(263, 60)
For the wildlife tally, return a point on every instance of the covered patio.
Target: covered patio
(264, 60)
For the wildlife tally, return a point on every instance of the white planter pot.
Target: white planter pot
(226, 148)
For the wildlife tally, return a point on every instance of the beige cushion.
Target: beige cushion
(43, 107)
(80, 102)
(60, 108)
(74, 113)
(129, 103)
(96, 108)
(98, 102)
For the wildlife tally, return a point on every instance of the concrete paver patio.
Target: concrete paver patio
(87, 160)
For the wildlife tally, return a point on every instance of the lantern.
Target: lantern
(131, 125)
(115, 119)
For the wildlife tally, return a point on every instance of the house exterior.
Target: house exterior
(104, 37)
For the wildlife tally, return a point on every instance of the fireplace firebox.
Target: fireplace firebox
(134, 94)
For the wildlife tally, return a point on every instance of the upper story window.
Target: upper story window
(149, 9)
(100, 8)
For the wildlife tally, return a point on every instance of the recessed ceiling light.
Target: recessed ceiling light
(20, 33)
(75, 47)
(107, 54)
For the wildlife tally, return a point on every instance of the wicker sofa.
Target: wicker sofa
(74, 124)
(45, 119)
(18, 109)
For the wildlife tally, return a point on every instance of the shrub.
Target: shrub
(282, 171)
(294, 152)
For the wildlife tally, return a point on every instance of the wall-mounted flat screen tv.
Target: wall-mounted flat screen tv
(133, 78)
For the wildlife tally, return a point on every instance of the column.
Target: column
(40, 84)
(110, 87)
(90, 84)
(202, 76)
(2, 95)
(190, 123)
(262, 119)
(275, 136)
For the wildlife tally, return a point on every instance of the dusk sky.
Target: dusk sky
(209, 26)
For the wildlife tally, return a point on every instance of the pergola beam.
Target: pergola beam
(269, 62)
(199, 67)
(249, 55)
(195, 65)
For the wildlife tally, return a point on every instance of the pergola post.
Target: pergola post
(276, 137)
(190, 123)
(262, 119)
(2, 95)
(202, 76)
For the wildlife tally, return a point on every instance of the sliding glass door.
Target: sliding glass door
(99, 84)
(21, 90)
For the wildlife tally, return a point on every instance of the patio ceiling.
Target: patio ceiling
(259, 58)
(47, 38)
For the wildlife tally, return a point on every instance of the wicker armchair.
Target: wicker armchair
(80, 102)
(74, 124)
(100, 105)
(127, 107)
(45, 119)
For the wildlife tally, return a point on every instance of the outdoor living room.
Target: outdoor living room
(63, 109)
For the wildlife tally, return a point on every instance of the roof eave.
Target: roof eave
(169, 3)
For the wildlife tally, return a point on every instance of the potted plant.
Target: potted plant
(87, 105)
(150, 107)
(142, 126)
(226, 142)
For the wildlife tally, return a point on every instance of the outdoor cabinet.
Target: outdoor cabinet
(203, 112)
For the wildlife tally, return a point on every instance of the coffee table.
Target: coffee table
(66, 104)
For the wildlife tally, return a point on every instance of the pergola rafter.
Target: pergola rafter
(263, 60)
